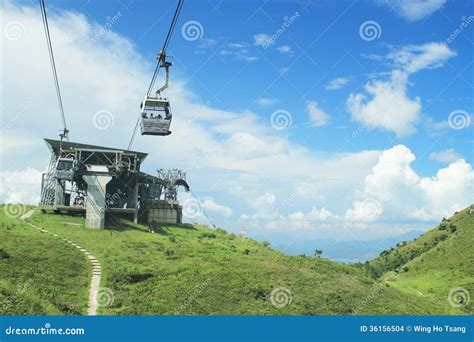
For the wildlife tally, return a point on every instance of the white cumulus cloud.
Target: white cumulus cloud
(413, 58)
(211, 206)
(402, 194)
(448, 191)
(446, 156)
(413, 10)
(319, 214)
(20, 186)
(386, 105)
(317, 116)
(337, 83)
(285, 49)
(263, 40)
(266, 101)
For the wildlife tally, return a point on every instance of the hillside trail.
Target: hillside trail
(94, 290)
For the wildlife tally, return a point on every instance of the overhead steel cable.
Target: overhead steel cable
(165, 45)
(203, 210)
(158, 65)
(134, 133)
(53, 67)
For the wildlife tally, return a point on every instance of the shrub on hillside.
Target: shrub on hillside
(169, 252)
(260, 293)
(208, 235)
(4, 254)
(221, 231)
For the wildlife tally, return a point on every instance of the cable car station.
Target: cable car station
(106, 183)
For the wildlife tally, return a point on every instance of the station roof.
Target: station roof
(53, 146)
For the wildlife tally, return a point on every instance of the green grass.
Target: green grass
(39, 273)
(192, 270)
(432, 265)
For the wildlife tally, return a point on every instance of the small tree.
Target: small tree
(317, 253)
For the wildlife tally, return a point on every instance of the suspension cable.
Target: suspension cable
(53, 67)
(165, 45)
(203, 210)
(160, 60)
(134, 133)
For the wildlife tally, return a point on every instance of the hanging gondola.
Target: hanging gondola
(64, 169)
(155, 110)
(156, 116)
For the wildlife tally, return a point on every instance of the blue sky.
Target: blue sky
(325, 45)
(378, 92)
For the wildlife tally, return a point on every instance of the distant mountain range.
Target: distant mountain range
(345, 251)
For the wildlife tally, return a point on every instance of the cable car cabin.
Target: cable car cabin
(64, 169)
(156, 116)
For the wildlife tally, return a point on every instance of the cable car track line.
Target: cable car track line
(165, 45)
(53, 66)
(161, 59)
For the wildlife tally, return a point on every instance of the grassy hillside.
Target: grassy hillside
(433, 264)
(39, 273)
(190, 270)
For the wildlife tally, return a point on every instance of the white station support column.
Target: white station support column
(95, 208)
